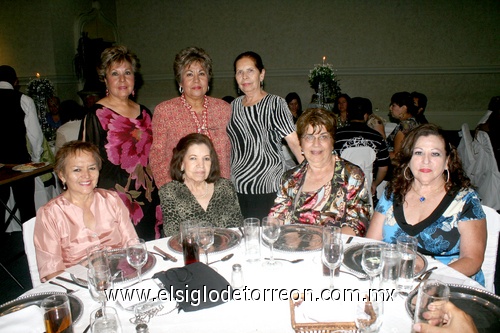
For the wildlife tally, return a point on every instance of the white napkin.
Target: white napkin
(325, 311)
(26, 320)
(145, 291)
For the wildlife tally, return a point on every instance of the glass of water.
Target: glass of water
(105, 321)
(391, 261)
(407, 247)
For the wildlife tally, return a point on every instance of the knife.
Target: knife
(69, 281)
(169, 256)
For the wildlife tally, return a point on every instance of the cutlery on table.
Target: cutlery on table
(294, 261)
(169, 256)
(69, 291)
(427, 272)
(83, 282)
(225, 258)
(420, 279)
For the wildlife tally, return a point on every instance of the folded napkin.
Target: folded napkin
(26, 320)
(325, 311)
(142, 292)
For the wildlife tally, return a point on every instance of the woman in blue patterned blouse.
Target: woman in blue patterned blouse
(432, 199)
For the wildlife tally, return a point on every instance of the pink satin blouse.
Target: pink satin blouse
(61, 238)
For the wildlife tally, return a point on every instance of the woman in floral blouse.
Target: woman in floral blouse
(324, 189)
(121, 129)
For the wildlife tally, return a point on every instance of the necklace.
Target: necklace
(422, 198)
(203, 127)
(204, 194)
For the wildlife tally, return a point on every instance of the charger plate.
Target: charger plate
(118, 262)
(354, 253)
(481, 305)
(224, 239)
(22, 302)
(299, 238)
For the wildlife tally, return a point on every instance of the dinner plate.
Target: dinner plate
(118, 262)
(481, 305)
(28, 167)
(299, 238)
(354, 253)
(36, 299)
(224, 239)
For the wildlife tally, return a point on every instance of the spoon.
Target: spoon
(291, 261)
(160, 255)
(225, 258)
(69, 291)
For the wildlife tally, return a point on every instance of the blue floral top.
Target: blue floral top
(438, 234)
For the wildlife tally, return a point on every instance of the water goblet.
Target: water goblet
(137, 254)
(332, 251)
(105, 321)
(205, 237)
(270, 233)
(97, 255)
(371, 261)
(99, 280)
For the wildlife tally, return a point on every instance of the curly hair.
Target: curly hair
(316, 117)
(402, 180)
(190, 55)
(116, 54)
(179, 152)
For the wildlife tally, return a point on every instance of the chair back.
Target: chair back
(364, 158)
(29, 249)
(490, 254)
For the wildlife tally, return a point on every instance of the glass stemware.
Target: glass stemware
(137, 254)
(205, 237)
(369, 314)
(333, 250)
(371, 261)
(99, 280)
(270, 233)
(105, 321)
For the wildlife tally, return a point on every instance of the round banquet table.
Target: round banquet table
(255, 316)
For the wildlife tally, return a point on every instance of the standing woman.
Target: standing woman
(258, 123)
(192, 112)
(121, 129)
(341, 110)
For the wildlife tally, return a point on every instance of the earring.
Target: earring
(133, 93)
(262, 83)
(64, 187)
(239, 91)
(404, 174)
(182, 168)
(107, 92)
(208, 88)
(181, 90)
(447, 175)
(301, 152)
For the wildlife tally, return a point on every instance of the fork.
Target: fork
(69, 291)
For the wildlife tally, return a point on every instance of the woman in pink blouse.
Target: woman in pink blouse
(192, 112)
(81, 216)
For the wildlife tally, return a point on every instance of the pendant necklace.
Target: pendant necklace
(203, 127)
(421, 197)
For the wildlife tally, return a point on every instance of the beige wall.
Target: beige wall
(448, 50)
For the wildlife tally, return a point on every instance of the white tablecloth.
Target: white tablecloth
(256, 316)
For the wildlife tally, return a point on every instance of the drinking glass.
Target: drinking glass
(270, 233)
(369, 314)
(190, 249)
(391, 260)
(99, 280)
(57, 314)
(407, 247)
(333, 250)
(371, 260)
(137, 254)
(251, 227)
(432, 296)
(97, 255)
(105, 321)
(205, 237)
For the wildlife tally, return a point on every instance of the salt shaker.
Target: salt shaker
(142, 328)
(237, 277)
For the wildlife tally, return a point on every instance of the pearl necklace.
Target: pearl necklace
(203, 127)
(204, 194)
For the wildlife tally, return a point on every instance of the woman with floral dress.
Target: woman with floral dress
(324, 189)
(121, 129)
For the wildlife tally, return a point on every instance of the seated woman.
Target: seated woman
(324, 189)
(81, 216)
(197, 191)
(431, 199)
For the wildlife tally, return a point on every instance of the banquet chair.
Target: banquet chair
(29, 249)
(364, 158)
(490, 254)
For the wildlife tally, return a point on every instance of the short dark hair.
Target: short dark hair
(190, 55)
(291, 96)
(179, 152)
(404, 98)
(71, 148)
(8, 74)
(358, 107)
(422, 100)
(116, 54)
(316, 117)
(252, 55)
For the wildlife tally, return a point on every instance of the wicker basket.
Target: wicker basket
(320, 327)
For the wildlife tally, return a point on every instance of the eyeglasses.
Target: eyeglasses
(322, 137)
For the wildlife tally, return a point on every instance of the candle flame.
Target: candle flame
(37, 75)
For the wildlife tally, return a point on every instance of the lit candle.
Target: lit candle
(37, 75)
(324, 58)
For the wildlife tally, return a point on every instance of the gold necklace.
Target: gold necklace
(204, 194)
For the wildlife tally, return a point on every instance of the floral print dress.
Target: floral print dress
(124, 145)
(342, 201)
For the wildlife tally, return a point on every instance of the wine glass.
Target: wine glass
(99, 280)
(270, 233)
(371, 260)
(205, 237)
(369, 313)
(333, 250)
(137, 254)
(105, 322)
(97, 254)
